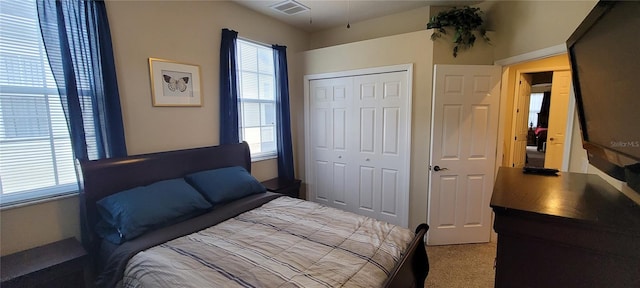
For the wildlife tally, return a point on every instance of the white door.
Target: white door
(381, 136)
(557, 119)
(329, 101)
(463, 153)
(358, 137)
(519, 148)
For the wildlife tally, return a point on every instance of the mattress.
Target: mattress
(286, 242)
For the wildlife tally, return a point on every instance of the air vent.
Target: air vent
(290, 7)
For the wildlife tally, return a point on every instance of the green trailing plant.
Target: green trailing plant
(465, 21)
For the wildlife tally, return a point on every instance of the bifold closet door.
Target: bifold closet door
(380, 127)
(330, 100)
(359, 137)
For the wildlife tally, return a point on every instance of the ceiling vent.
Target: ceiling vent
(290, 7)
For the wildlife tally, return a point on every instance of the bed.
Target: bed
(258, 239)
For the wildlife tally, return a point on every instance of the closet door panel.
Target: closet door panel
(340, 184)
(322, 189)
(390, 192)
(367, 130)
(366, 196)
(329, 102)
(390, 130)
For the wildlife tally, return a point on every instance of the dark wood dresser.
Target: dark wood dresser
(570, 230)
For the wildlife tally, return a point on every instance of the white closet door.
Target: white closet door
(329, 101)
(380, 126)
(358, 144)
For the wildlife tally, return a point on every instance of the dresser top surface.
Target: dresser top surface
(574, 196)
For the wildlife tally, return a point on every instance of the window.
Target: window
(535, 103)
(36, 158)
(256, 99)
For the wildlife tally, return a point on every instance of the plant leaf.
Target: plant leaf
(464, 21)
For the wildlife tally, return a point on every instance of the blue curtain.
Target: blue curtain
(229, 132)
(285, 151)
(78, 43)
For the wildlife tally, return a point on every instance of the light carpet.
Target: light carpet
(465, 266)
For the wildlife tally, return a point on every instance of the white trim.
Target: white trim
(307, 152)
(534, 55)
(568, 133)
(264, 157)
(359, 72)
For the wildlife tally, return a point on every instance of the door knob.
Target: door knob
(437, 168)
(551, 139)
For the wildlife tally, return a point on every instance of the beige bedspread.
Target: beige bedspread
(285, 243)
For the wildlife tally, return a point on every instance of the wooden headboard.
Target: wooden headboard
(108, 176)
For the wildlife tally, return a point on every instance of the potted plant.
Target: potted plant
(465, 21)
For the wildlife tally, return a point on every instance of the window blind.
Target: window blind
(36, 159)
(256, 73)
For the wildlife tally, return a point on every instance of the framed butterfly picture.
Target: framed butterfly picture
(174, 83)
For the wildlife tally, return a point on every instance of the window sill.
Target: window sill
(35, 201)
(263, 157)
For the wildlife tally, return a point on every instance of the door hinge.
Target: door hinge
(520, 82)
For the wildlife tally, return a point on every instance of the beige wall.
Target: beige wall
(525, 26)
(399, 23)
(578, 161)
(193, 36)
(416, 48)
(39, 224)
(184, 31)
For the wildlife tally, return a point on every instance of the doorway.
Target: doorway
(519, 82)
(538, 118)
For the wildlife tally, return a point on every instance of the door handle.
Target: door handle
(551, 139)
(437, 168)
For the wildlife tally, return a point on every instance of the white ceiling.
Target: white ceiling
(325, 14)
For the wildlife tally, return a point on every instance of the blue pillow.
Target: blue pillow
(130, 213)
(225, 184)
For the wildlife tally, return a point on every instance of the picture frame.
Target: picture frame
(174, 83)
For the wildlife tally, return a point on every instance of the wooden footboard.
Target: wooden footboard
(413, 268)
